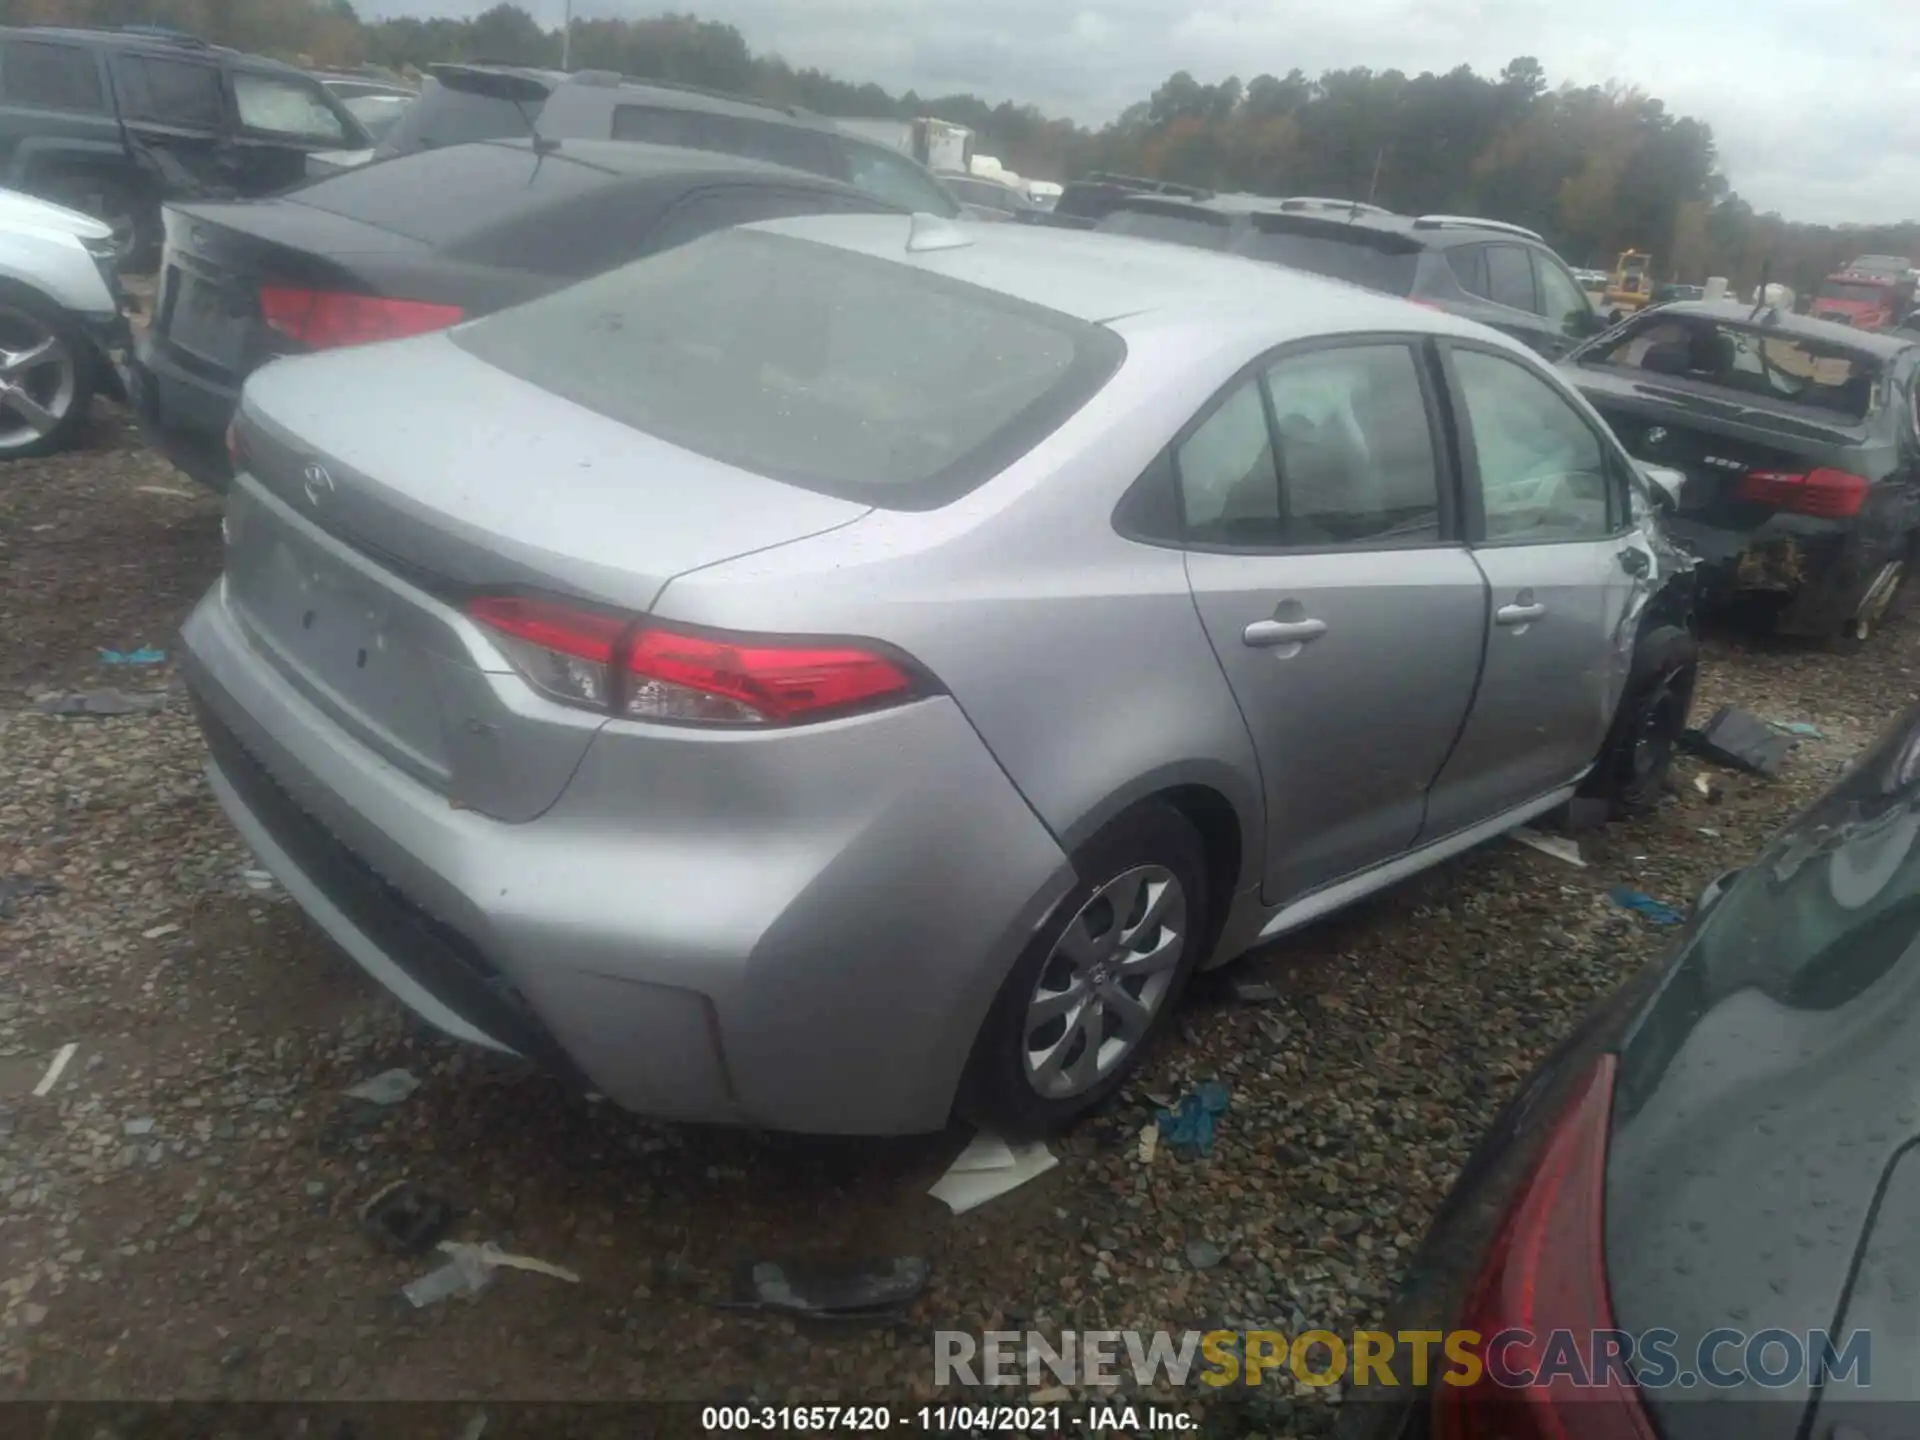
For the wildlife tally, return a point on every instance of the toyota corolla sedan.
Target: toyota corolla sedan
(850, 666)
(1693, 1221)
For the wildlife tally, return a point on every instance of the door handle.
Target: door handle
(1635, 562)
(1518, 614)
(1262, 633)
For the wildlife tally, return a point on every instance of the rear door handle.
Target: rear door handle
(1518, 614)
(1263, 633)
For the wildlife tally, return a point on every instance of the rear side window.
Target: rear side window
(1510, 277)
(445, 116)
(833, 371)
(170, 92)
(50, 77)
(1358, 256)
(791, 145)
(440, 197)
(1357, 461)
(1198, 228)
(279, 105)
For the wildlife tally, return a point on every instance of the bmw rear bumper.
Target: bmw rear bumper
(1820, 569)
(182, 415)
(799, 929)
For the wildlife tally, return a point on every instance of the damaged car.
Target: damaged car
(695, 680)
(114, 123)
(1799, 443)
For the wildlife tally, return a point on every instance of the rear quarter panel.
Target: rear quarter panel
(1077, 654)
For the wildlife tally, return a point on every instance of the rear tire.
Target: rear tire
(1633, 765)
(1093, 990)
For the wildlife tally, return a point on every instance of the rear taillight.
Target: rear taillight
(327, 319)
(1832, 494)
(1545, 1273)
(644, 671)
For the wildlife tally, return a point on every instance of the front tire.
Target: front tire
(1633, 764)
(47, 376)
(1094, 988)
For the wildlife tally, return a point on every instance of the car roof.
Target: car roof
(1100, 278)
(632, 88)
(173, 45)
(1867, 342)
(1320, 215)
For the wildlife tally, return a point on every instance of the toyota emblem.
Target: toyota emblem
(1656, 435)
(319, 484)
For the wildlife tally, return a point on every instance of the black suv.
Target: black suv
(115, 122)
(1485, 270)
(461, 103)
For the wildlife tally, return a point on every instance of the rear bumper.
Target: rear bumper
(814, 952)
(1821, 569)
(183, 415)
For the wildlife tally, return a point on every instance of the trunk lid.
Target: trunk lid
(384, 484)
(1715, 440)
(217, 256)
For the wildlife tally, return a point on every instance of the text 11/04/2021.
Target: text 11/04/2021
(1095, 1419)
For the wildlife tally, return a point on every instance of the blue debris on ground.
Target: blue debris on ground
(1658, 911)
(1188, 1126)
(145, 656)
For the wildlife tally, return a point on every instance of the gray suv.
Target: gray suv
(1502, 275)
(461, 103)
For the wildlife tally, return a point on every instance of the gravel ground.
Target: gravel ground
(177, 1217)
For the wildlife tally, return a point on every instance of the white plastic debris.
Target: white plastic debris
(1149, 1141)
(389, 1087)
(158, 931)
(61, 1059)
(1558, 846)
(990, 1167)
(142, 1126)
(470, 1269)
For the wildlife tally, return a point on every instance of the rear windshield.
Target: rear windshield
(435, 198)
(837, 372)
(1749, 360)
(1354, 254)
(1198, 228)
(792, 145)
(445, 116)
(1857, 294)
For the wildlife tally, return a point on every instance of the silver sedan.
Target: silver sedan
(852, 666)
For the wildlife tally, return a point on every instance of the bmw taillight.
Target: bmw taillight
(1830, 494)
(328, 319)
(1545, 1272)
(640, 670)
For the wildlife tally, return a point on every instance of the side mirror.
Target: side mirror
(1665, 483)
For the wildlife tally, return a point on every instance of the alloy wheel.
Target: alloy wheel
(39, 379)
(1104, 982)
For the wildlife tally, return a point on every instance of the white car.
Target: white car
(63, 334)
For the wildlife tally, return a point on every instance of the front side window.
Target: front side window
(1229, 489)
(1544, 475)
(1561, 300)
(50, 77)
(178, 93)
(277, 105)
(1356, 454)
(898, 181)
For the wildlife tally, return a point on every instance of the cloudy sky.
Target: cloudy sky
(1815, 104)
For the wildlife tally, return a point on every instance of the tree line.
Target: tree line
(1597, 169)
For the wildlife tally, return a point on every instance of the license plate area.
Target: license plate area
(208, 321)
